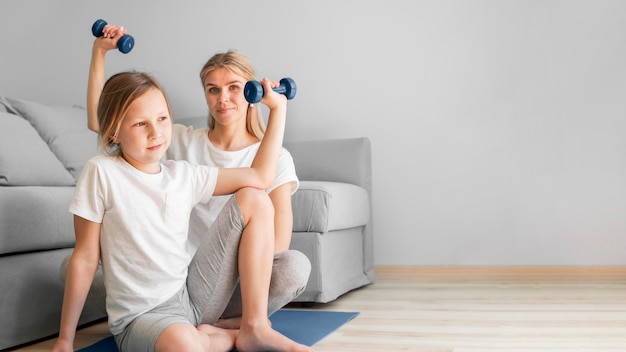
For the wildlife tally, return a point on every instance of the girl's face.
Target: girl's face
(145, 132)
(223, 90)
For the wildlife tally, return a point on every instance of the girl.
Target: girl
(131, 212)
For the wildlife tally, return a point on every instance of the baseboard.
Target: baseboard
(503, 271)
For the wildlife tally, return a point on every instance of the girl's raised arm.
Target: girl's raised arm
(101, 46)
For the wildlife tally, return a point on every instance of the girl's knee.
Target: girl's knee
(180, 338)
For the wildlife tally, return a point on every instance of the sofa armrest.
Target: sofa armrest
(322, 206)
(347, 160)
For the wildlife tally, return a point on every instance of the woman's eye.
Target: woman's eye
(139, 124)
(234, 87)
(213, 90)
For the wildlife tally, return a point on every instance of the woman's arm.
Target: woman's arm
(262, 172)
(101, 46)
(283, 216)
(80, 273)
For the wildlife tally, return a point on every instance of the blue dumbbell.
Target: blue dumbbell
(126, 42)
(253, 90)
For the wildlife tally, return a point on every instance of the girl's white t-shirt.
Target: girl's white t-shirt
(194, 146)
(144, 244)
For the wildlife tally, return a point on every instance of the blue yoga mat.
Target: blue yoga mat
(304, 326)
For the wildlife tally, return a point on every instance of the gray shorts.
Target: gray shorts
(212, 289)
(142, 333)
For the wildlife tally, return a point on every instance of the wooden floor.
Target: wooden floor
(473, 309)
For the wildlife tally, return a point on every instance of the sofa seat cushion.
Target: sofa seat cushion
(321, 206)
(35, 218)
(63, 128)
(25, 159)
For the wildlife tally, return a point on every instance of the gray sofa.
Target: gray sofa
(42, 151)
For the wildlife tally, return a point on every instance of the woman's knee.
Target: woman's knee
(292, 269)
(290, 274)
(254, 201)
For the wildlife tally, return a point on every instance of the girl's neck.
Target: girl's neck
(147, 168)
(231, 138)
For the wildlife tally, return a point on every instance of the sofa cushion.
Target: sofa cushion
(35, 218)
(25, 159)
(64, 128)
(321, 206)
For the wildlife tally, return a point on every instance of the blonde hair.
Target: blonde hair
(239, 65)
(118, 93)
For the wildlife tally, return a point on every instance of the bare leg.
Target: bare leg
(290, 273)
(185, 337)
(256, 252)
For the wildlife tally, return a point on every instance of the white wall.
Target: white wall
(497, 126)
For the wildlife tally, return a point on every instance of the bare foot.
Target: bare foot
(229, 323)
(232, 323)
(221, 339)
(264, 338)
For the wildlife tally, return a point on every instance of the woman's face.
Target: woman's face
(223, 91)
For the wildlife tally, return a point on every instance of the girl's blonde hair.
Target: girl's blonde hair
(239, 65)
(119, 91)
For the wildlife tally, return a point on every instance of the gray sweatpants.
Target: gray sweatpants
(212, 290)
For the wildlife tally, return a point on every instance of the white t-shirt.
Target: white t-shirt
(145, 249)
(194, 146)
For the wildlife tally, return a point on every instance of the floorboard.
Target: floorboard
(472, 309)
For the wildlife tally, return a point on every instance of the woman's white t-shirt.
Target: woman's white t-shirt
(194, 146)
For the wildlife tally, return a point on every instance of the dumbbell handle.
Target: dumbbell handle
(254, 92)
(126, 42)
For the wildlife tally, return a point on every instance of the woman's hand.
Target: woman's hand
(272, 99)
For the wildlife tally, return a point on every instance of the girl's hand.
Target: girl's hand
(62, 346)
(272, 99)
(111, 35)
